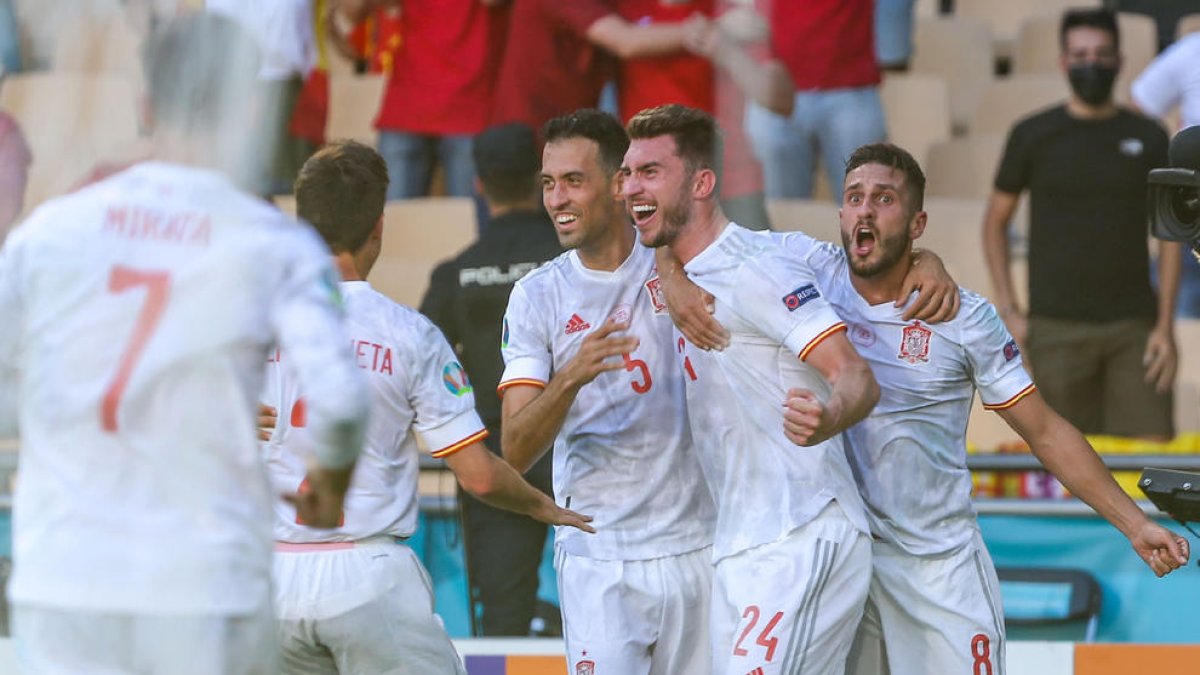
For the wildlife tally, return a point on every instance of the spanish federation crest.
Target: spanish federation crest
(914, 344)
(585, 667)
(654, 289)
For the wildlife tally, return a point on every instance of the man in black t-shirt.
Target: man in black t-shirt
(467, 297)
(1099, 339)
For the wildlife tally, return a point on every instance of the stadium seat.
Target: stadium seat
(1187, 382)
(956, 49)
(353, 104)
(417, 235)
(815, 217)
(964, 167)
(1049, 603)
(1004, 18)
(1187, 24)
(72, 123)
(917, 110)
(1006, 101)
(98, 44)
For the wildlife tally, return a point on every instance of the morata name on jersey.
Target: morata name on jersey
(187, 228)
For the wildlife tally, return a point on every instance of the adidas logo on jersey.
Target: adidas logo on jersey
(576, 324)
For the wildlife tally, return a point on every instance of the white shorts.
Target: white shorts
(792, 606)
(932, 615)
(636, 617)
(68, 642)
(359, 608)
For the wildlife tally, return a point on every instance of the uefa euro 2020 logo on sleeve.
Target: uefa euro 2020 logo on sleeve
(455, 379)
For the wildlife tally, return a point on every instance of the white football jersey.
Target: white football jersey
(764, 485)
(624, 454)
(909, 455)
(138, 315)
(417, 387)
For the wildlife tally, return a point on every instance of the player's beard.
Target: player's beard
(674, 218)
(891, 251)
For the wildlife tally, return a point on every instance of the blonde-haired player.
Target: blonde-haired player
(355, 599)
(138, 313)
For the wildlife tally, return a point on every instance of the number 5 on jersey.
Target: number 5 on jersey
(158, 290)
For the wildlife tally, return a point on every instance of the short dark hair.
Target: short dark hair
(341, 191)
(201, 69)
(1104, 19)
(897, 158)
(595, 125)
(506, 161)
(697, 137)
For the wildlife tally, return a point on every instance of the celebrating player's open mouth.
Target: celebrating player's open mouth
(864, 239)
(642, 212)
(564, 221)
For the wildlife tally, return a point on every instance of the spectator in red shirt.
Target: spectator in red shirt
(559, 54)
(436, 101)
(827, 47)
(691, 80)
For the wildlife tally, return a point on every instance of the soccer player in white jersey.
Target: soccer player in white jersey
(934, 595)
(138, 314)
(355, 599)
(590, 370)
(791, 548)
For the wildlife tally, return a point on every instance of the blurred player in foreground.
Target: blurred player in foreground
(138, 314)
(355, 599)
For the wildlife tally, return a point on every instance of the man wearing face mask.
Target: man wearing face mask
(1100, 341)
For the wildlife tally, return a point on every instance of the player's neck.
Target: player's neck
(700, 232)
(200, 152)
(348, 266)
(612, 252)
(884, 286)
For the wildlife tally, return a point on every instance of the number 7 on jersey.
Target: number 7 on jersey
(158, 286)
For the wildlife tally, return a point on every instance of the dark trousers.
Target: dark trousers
(504, 552)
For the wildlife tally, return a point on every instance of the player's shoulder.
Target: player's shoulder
(975, 313)
(552, 273)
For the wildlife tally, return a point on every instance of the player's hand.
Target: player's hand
(553, 514)
(598, 351)
(267, 419)
(806, 420)
(1160, 360)
(691, 309)
(319, 504)
(1161, 549)
(937, 292)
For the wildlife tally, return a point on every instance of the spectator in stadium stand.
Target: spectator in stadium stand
(1172, 81)
(442, 76)
(690, 79)
(284, 30)
(559, 54)
(1100, 340)
(836, 102)
(370, 44)
(466, 300)
(14, 171)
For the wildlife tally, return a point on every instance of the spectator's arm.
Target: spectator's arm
(627, 40)
(768, 84)
(1161, 357)
(1000, 209)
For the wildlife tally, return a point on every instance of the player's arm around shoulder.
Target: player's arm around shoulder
(1063, 450)
(778, 295)
(491, 480)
